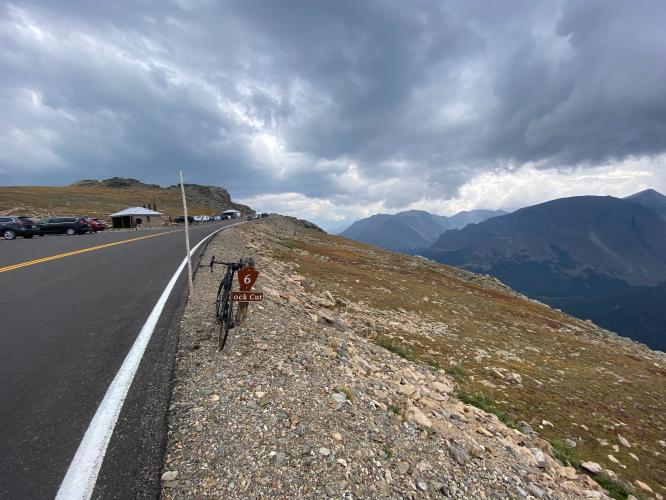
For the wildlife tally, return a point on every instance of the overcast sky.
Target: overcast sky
(334, 110)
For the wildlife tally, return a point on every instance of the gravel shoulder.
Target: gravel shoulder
(300, 405)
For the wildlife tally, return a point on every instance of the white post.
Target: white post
(187, 233)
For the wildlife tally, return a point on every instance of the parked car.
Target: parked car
(11, 227)
(64, 225)
(181, 219)
(96, 225)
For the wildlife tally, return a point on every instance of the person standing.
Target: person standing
(138, 222)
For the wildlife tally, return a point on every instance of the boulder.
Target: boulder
(643, 486)
(592, 467)
(419, 418)
(623, 441)
(459, 454)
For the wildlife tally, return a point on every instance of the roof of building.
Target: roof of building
(135, 211)
(231, 211)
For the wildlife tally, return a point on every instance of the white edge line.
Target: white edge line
(79, 482)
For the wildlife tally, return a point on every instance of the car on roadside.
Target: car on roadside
(64, 225)
(181, 219)
(96, 225)
(13, 226)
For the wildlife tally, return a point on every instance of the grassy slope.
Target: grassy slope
(573, 375)
(93, 201)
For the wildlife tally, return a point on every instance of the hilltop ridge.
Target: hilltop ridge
(100, 198)
(367, 373)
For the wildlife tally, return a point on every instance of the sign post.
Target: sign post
(247, 276)
(187, 233)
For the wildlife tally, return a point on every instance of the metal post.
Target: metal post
(187, 233)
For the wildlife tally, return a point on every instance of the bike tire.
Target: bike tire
(218, 300)
(224, 311)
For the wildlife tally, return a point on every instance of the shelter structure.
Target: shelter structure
(232, 213)
(129, 218)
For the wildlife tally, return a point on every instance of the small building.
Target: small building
(233, 214)
(129, 218)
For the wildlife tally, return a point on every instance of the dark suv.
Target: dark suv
(181, 219)
(11, 227)
(63, 225)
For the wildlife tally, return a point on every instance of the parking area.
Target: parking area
(23, 250)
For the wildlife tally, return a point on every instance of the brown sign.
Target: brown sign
(246, 277)
(247, 296)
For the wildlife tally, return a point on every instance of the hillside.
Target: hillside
(100, 198)
(411, 231)
(366, 373)
(590, 255)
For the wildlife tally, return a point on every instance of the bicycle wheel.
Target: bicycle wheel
(227, 322)
(219, 309)
(225, 310)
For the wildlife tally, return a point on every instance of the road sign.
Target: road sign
(247, 296)
(246, 277)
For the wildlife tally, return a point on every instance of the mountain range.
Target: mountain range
(597, 257)
(411, 231)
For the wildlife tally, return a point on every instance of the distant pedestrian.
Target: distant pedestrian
(138, 221)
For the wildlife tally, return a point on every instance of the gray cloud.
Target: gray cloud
(350, 101)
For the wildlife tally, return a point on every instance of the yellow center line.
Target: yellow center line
(76, 252)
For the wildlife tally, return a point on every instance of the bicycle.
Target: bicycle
(224, 306)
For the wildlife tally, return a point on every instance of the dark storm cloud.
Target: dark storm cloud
(352, 101)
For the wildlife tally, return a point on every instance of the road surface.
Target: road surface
(70, 309)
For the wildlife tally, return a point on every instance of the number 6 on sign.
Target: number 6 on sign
(246, 278)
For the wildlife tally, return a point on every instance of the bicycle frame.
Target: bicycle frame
(223, 302)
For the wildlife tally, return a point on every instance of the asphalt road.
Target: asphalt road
(66, 326)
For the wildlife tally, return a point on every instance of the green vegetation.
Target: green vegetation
(486, 403)
(404, 352)
(398, 349)
(395, 409)
(569, 457)
(615, 489)
(387, 450)
(565, 454)
(347, 392)
(456, 372)
(432, 363)
(290, 244)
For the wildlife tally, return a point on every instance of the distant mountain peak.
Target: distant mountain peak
(651, 199)
(651, 193)
(413, 230)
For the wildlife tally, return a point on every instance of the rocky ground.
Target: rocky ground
(306, 401)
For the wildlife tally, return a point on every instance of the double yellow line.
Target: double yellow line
(76, 252)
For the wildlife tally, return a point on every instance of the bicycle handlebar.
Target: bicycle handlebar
(233, 265)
